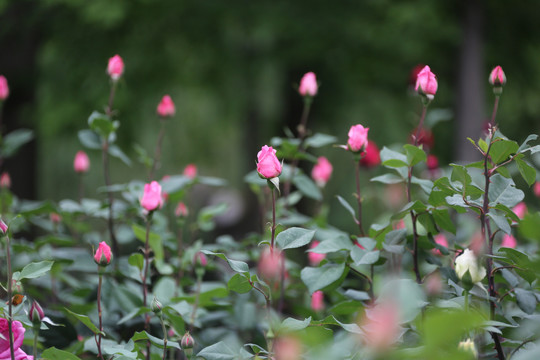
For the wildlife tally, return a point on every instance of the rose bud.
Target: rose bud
(190, 171)
(187, 343)
(200, 259)
(103, 254)
(432, 162)
(181, 210)
(308, 85)
(358, 138)
(270, 264)
(4, 88)
(440, 239)
(321, 171)
(55, 218)
(467, 263)
(313, 257)
(371, 156)
(166, 107)
(497, 77)
(536, 188)
(288, 348)
(426, 83)
(317, 301)
(156, 306)
(5, 180)
(151, 199)
(268, 165)
(81, 163)
(509, 241)
(115, 68)
(3, 226)
(520, 210)
(36, 314)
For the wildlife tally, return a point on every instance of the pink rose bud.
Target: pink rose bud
(187, 343)
(36, 314)
(313, 257)
(520, 210)
(358, 138)
(321, 171)
(413, 75)
(509, 241)
(4, 88)
(151, 199)
(55, 218)
(200, 259)
(3, 226)
(308, 85)
(317, 301)
(399, 225)
(166, 107)
(440, 239)
(270, 264)
(497, 77)
(434, 284)
(426, 83)
(536, 188)
(190, 171)
(425, 138)
(5, 180)
(371, 156)
(103, 254)
(115, 69)
(288, 348)
(181, 210)
(268, 165)
(380, 327)
(81, 164)
(432, 162)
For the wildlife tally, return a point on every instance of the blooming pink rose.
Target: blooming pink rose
(380, 326)
(152, 199)
(509, 241)
(5, 180)
(308, 85)
(372, 156)
(4, 88)
(81, 163)
(190, 171)
(358, 138)
(270, 264)
(115, 68)
(440, 239)
(268, 165)
(18, 337)
(321, 171)
(166, 107)
(497, 77)
(103, 254)
(520, 210)
(181, 210)
(536, 188)
(426, 82)
(313, 257)
(317, 300)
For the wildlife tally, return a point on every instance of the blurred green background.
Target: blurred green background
(232, 67)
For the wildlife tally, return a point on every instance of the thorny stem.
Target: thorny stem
(98, 340)
(157, 153)
(359, 199)
(413, 215)
(9, 295)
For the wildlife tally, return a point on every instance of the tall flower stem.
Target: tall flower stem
(36, 334)
(273, 221)
(180, 246)
(197, 296)
(302, 132)
(466, 301)
(494, 112)
(144, 277)
(98, 340)
(157, 153)
(164, 336)
(359, 199)
(9, 295)
(414, 216)
(81, 187)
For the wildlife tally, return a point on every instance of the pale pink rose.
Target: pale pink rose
(166, 107)
(440, 239)
(321, 171)
(536, 188)
(497, 77)
(426, 82)
(268, 165)
(115, 68)
(5, 180)
(317, 300)
(81, 163)
(380, 326)
(288, 348)
(18, 337)
(509, 241)
(190, 171)
(371, 156)
(181, 210)
(520, 210)
(152, 199)
(103, 254)
(358, 138)
(270, 264)
(4, 88)
(313, 257)
(308, 85)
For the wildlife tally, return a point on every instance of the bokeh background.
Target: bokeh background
(232, 67)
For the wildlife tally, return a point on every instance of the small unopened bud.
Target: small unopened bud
(200, 259)
(156, 306)
(103, 254)
(187, 343)
(5, 180)
(469, 347)
(3, 227)
(36, 314)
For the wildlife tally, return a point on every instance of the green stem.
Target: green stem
(467, 301)
(164, 336)
(157, 153)
(36, 334)
(359, 199)
(98, 341)
(273, 221)
(145, 274)
(9, 295)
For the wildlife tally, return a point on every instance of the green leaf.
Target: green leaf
(319, 140)
(86, 321)
(34, 270)
(116, 152)
(136, 260)
(238, 266)
(364, 257)
(143, 335)
(502, 222)
(218, 351)
(239, 283)
(443, 220)
(414, 154)
(387, 179)
(527, 172)
(425, 184)
(525, 145)
(502, 149)
(503, 191)
(292, 325)
(14, 140)
(387, 154)
(526, 300)
(102, 124)
(307, 187)
(347, 207)
(206, 216)
(294, 238)
(459, 173)
(56, 354)
(154, 241)
(395, 163)
(332, 245)
(89, 139)
(529, 228)
(320, 277)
